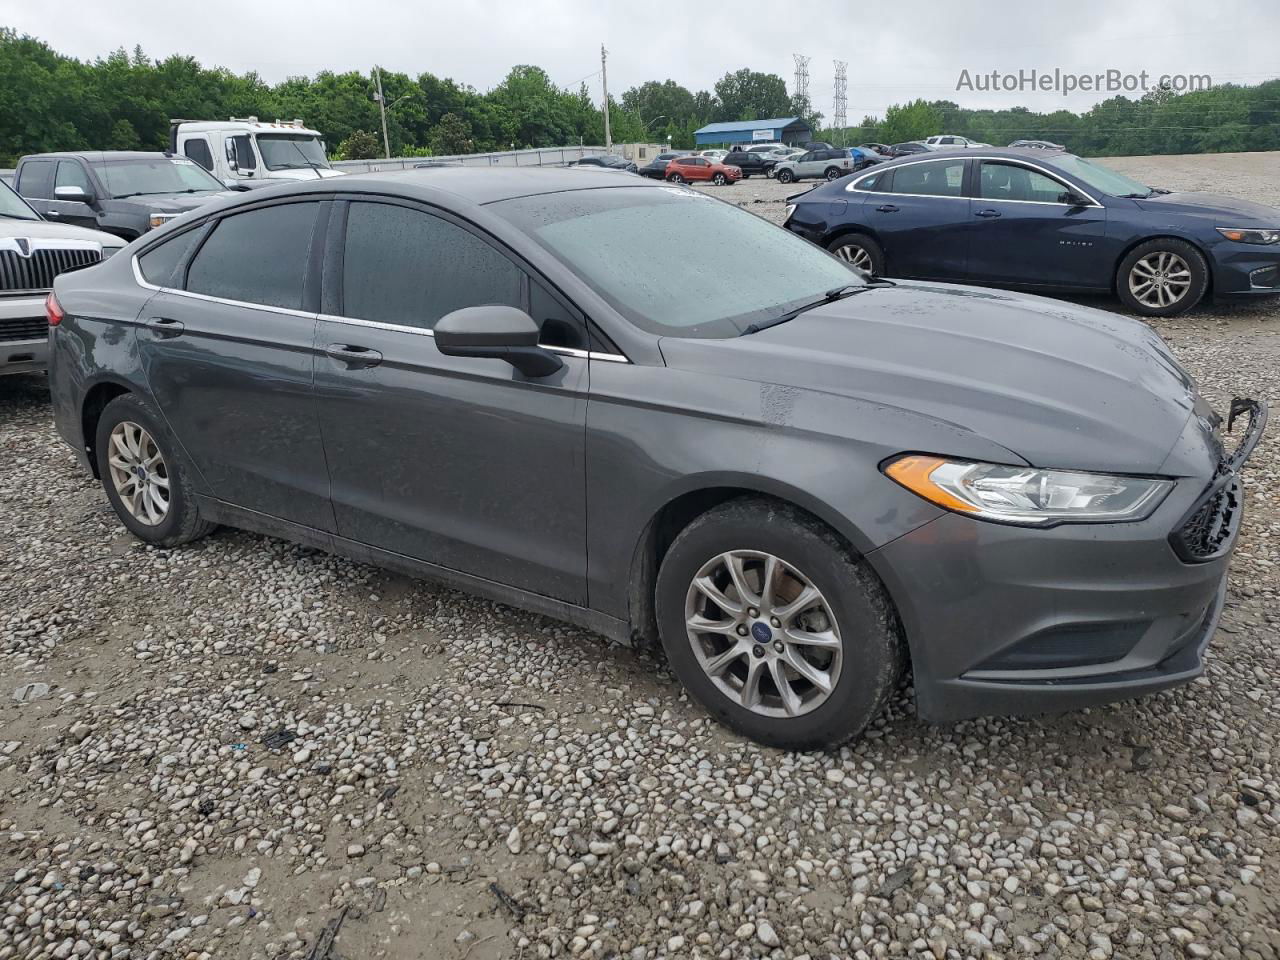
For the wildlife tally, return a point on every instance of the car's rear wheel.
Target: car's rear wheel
(786, 176)
(859, 251)
(832, 173)
(1162, 278)
(720, 179)
(145, 481)
(676, 178)
(775, 628)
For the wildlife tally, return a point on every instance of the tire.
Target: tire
(769, 173)
(181, 521)
(863, 656)
(719, 179)
(832, 173)
(860, 251)
(1159, 269)
(675, 178)
(786, 176)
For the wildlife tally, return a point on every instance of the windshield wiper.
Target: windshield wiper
(835, 293)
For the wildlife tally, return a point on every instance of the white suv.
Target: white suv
(32, 253)
(949, 141)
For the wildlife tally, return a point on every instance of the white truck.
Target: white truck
(246, 152)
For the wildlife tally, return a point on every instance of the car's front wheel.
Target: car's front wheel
(775, 628)
(859, 251)
(720, 179)
(1162, 278)
(145, 481)
(786, 176)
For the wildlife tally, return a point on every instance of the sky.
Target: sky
(896, 51)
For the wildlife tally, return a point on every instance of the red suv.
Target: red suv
(688, 169)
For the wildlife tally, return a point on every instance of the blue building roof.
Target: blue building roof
(746, 131)
(776, 123)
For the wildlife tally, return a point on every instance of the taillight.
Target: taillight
(53, 310)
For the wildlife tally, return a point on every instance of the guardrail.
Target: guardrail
(544, 157)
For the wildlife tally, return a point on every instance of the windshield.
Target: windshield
(291, 151)
(1100, 178)
(13, 206)
(159, 174)
(644, 250)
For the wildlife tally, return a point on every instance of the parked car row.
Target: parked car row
(1043, 220)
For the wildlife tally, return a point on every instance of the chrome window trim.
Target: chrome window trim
(424, 332)
(1014, 161)
(270, 308)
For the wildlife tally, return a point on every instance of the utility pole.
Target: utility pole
(382, 107)
(604, 79)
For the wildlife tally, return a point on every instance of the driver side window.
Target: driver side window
(1010, 181)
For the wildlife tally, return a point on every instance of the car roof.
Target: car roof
(456, 185)
(100, 155)
(980, 153)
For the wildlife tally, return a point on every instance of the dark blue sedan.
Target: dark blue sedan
(1045, 222)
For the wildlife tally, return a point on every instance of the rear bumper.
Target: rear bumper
(23, 353)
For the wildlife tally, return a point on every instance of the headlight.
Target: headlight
(1249, 235)
(791, 208)
(1026, 495)
(110, 251)
(160, 219)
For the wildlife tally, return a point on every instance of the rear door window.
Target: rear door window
(35, 179)
(410, 268)
(259, 256)
(942, 178)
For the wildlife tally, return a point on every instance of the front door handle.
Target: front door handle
(52, 213)
(354, 355)
(886, 208)
(165, 327)
(987, 213)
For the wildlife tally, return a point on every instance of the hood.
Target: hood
(45, 230)
(1241, 212)
(1060, 386)
(178, 202)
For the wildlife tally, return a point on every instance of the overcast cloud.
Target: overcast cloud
(896, 50)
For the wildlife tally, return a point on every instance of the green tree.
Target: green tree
(748, 95)
(360, 145)
(910, 121)
(452, 135)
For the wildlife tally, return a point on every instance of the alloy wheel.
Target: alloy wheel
(139, 473)
(857, 256)
(763, 633)
(719, 178)
(1160, 279)
(676, 178)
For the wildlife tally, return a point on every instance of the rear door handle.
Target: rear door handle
(987, 213)
(165, 327)
(353, 354)
(886, 208)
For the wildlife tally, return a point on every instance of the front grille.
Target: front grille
(37, 271)
(23, 328)
(1203, 535)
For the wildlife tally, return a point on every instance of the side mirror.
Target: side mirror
(1072, 199)
(73, 194)
(504, 333)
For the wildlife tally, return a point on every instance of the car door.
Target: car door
(921, 216)
(1024, 231)
(462, 462)
(227, 346)
(81, 213)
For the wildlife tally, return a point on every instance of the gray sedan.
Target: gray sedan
(548, 389)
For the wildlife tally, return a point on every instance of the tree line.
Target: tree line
(124, 101)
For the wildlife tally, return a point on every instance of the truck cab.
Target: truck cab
(245, 151)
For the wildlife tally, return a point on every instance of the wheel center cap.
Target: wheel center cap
(761, 632)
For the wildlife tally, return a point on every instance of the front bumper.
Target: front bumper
(1015, 620)
(24, 337)
(1246, 270)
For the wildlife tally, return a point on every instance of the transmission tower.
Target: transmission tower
(840, 99)
(801, 87)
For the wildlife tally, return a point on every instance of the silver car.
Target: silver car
(827, 164)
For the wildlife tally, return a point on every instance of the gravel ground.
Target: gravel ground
(230, 749)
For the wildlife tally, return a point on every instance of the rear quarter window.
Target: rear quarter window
(160, 264)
